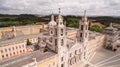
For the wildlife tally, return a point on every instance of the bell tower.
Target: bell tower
(60, 42)
(83, 33)
(83, 29)
(51, 26)
(51, 32)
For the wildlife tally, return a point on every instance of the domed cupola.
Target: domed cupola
(51, 26)
(52, 23)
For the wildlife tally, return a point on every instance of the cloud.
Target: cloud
(68, 7)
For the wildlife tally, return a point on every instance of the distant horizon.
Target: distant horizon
(64, 15)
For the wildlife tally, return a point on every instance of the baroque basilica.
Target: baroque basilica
(59, 46)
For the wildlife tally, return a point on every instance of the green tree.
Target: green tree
(96, 28)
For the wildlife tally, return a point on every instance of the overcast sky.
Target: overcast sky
(68, 7)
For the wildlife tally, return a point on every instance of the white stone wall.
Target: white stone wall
(12, 50)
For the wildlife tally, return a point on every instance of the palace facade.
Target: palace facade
(57, 46)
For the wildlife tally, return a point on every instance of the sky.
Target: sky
(68, 7)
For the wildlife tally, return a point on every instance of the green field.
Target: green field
(70, 21)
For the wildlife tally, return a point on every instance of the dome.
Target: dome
(52, 22)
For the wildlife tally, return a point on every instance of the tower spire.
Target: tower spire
(60, 19)
(59, 10)
(84, 13)
(84, 17)
(52, 17)
(83, 35)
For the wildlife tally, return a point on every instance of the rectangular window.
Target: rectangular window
(53, 63)
(79, 50)
(62, 42)
(86, 27)
(23, 50)
(51, 32)
(16, 47)
(61, 32)
(86, 34)
(9, 49)
(10, 54)
(62, 59)
(13, 48)
(62, 65)
(20, 51)
(49, 65)
(56, 32)
(14, 53)
(23, 45)
(75, 51)
(2, 56)
(1, 51)
(19, 46)
(81, 27)
(5, 50)
(70, 55)
(17, 52)
(80, 34)
(55, 41)
(6, 55)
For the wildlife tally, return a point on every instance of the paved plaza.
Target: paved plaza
(103, 58)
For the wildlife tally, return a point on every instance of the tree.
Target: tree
(96, 28)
